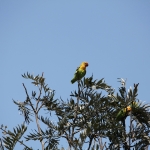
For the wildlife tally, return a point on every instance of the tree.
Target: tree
(94, 116)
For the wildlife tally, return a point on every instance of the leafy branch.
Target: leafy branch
(11, 138)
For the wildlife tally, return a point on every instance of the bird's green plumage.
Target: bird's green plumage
(79, 74)
(121, 114)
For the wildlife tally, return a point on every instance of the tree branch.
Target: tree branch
(21, 142)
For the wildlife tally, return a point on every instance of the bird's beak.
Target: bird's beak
(87, 64)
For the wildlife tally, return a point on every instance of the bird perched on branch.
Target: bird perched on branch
(123, 113)
(80, 72)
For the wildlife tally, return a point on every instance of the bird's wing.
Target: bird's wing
(76, 71)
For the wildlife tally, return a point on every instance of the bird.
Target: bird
(123, 113)
(80, 72)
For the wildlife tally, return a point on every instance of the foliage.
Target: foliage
(93, 114)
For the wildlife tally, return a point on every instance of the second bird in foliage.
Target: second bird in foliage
(80, 72)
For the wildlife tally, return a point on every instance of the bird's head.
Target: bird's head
(85, 64)
(128, 109)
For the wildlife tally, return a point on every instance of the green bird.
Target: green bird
(80, 72)
(123, 113)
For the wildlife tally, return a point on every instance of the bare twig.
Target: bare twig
(40, 89)
(101, 143)
(36, 115)
(35, 111)
(91, 139)
(130, 134)
(39, 130)
(40, 107)
(28, 98)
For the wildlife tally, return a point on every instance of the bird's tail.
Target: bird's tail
(73, 80)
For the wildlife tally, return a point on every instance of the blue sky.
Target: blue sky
(54, 37)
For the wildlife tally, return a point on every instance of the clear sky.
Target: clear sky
(54, 37)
